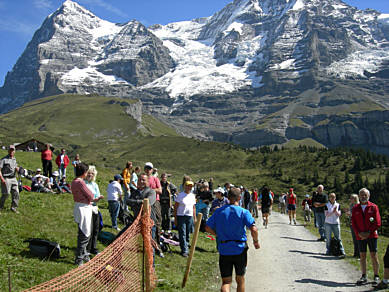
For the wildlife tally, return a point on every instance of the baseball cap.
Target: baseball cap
(189, 183)
(117, 177)
(218, 190)
(38, 169)
(11, 146)
(307, 196)
(149, 165)
(55, 173)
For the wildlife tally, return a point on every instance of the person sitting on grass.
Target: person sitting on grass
(332, 223)
(229, 224)
(64, 185)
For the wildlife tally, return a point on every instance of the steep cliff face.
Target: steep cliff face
(257, 72)
(75, 51)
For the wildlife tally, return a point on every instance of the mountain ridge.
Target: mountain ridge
(257, 72)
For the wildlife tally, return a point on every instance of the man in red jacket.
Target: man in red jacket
(366, 220)
(62, 161)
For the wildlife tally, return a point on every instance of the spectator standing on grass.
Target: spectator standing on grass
(83, 198)
(75, 162)
(319, 201)
(204, 199)
(90, 182)
(332, 223)
(220, 199)
(9, 183)
(155, 184)
(384, 284)
(47, 156)
(229, 224)
(166, 200)
(114, 197)
(185, 215)
(354, 200)
(62, 162)
(307, 205)
(126, 174)
(134, 179)
(292, 202)
(366, 220)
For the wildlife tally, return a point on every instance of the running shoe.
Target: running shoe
(294, 222)
(381, 286)
(376, 279)
(362, 280)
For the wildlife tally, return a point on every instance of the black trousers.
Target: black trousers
(165, 213)
(94, 233)
(47, 168)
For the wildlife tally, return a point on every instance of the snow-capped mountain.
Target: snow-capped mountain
(256, 72)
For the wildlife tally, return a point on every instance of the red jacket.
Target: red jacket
(65, 160)
(368, 221)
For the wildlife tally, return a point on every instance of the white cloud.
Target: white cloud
(43, 4)
(106, 6)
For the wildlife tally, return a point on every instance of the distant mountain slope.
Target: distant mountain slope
(81, 120)
(257, 72)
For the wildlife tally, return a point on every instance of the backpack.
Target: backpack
(335, 247)
(44, 248)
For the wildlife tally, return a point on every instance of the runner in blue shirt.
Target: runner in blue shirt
(228, 224)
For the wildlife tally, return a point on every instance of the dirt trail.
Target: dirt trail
(290, 259)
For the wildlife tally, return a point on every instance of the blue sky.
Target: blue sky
(21, 18)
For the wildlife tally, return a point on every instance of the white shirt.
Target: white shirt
(334, 217)
(114, 190)
(185, 204)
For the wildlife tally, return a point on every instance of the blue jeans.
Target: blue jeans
(62, 170)
(184, 226)
(114, 207)
(320, 218)
(335, 229)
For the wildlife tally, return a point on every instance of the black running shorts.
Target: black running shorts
(371, 242)
(228, 262)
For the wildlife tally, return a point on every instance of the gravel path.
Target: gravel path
(290, 259)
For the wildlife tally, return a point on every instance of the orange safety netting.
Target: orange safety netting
(121, 266)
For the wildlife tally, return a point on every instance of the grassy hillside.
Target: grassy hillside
(99, 130)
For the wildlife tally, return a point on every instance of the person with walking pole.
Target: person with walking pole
(228, 224)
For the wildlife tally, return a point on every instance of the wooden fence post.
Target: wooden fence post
(192, 248)
(9, 279)
(146, 213)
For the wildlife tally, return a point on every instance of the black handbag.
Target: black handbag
(44, 248)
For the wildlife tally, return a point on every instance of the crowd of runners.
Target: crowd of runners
(227, 211)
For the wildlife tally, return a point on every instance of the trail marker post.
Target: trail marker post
(192, 248)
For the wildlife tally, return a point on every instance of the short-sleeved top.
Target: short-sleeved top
(185, 204)
(154, 183)
(320, 198)
(292, 199)
(230, 222)
(114, 191)
(94, 188)
(134, 178)
(8, 166)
